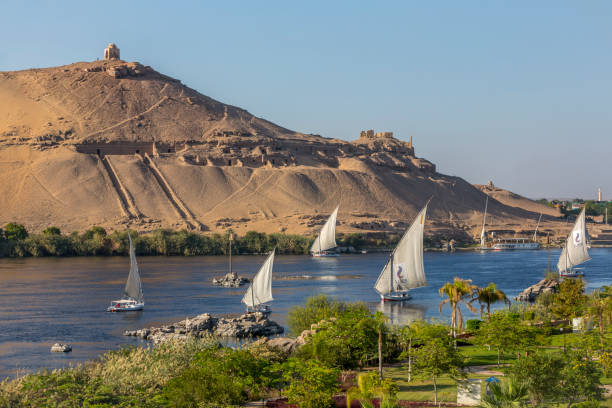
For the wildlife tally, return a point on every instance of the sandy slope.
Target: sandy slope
(280, 180)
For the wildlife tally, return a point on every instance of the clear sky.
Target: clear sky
(518, 92)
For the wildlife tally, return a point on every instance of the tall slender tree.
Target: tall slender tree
(458, 292)
(488, 295)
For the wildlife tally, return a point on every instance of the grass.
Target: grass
(422, 389)
(478, 356)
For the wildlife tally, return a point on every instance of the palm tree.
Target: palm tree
(509, 393)
(380, 321)
(600, 306)
(488, 295)
(460, 291)
(369, 388)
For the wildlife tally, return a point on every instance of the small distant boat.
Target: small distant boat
(575, 251)
(327, 238)
(260, 290)
(404, 269)
(133, 298)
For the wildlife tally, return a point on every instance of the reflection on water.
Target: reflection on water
(48, 300)
(402, 313)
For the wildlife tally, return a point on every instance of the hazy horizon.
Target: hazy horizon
(516, 93)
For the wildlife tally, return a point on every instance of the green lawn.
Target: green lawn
(478, 356)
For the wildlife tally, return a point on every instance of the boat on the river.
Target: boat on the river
(326, 239)
(404, 269)
(575, 251)
(483, 233)
(260, 290)
(133, 298)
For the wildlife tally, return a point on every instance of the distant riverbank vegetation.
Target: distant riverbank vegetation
(16, 241)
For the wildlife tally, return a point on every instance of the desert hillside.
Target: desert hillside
(515, 200)
(115, 143)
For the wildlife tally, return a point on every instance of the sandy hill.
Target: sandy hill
(515, 200)
(114, 143)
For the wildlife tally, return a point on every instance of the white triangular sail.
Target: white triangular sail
(327, 237)
(260, 290)
(133, 286)
(575, 250)
(483, 235)
(404, 269)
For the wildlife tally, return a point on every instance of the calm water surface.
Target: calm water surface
(48, 300)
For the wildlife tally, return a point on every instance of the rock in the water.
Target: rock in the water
(61, 348)
(544, 286)
(230, 280)
(248, 325)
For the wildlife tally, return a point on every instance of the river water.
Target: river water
(48, 300)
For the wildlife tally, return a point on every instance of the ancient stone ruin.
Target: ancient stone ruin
(111, 52)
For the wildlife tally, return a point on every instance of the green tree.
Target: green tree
(52, 231)
(570, 299)
(316, 308)
(460, 291)
(15, 232)
(599, 305)
(580, 380)
(541, 374)
(504, 332)
(489, 295)
(346, 342)
(437, 356)
(380, 323)
(310, 384)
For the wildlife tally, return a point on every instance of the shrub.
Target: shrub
(317, 308)
(473, 325)
(15, 232)
(311, 384)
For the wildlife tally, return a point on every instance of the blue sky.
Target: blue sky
(518, 92)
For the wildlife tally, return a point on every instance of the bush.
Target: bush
(317, 308)
(473, 325)
(346, 342)
(15, 232)
(224, 377)
(311, 384)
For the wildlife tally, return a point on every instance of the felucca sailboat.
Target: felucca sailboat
(260, 290)
(483, 234)
(133, 298)
(327, 237)
(575, 250)
(404, 269)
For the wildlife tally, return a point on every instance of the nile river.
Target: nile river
(48, 300)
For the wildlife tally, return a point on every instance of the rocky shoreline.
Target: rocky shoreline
(245, 326)
(532, 292)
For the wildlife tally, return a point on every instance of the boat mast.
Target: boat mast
(391, 274)
(535, 236)
(231, 238)
(548, 245)
(484, 221)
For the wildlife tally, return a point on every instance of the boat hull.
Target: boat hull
(125, 307)
(572, 274)
(395, 297)
(324, 254)
(515, 246)
(264, 309)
